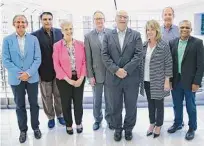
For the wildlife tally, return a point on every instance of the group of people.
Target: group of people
(116, 62)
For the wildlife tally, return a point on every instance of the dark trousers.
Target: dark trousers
(178, 94)
(69, 93)
(19, 92)
(128, 94)
(155, 107)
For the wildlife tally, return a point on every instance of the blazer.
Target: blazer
(14, 62)
(93, 47)
(129, 57)
(192, 66)
(160, 67)
(46, 70)
(62, 63)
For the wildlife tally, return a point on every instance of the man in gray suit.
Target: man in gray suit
(96, 69)
(122, 54)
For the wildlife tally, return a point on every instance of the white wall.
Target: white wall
(188, 11)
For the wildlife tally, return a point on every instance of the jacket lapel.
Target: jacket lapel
(127, 39)
(54, 35)
(96, 39)
(187, 49)
(15, 42)
(26, 46)
(115, 37)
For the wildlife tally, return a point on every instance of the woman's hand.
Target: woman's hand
(79, 82)
(167, 86)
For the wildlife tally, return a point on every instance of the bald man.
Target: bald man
(121, 55)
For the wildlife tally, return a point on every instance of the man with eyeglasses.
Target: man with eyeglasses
(96, 69)
(47, 36)
(188, 67)
(121, 55)
(21, 57)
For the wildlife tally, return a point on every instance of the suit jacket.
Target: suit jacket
(93, 47)
(62, 63)
(129, 58)
(192, 66)
(160, 67)
(46, 70)
(14, 62)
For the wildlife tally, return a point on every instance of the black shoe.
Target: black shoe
(110, 126)
(117, 136)
(80, 130)
(37, 134)
(174, 128)
(190, 134)
(70, 132)
(149, 133)
(156, 135)
(22, 137)
(128, 135)
(96, 126)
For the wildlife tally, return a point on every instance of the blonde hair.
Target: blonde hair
(153, 24)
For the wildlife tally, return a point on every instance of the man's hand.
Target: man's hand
(121, 73)
(195, 87)
(92, 81)
(23, 76)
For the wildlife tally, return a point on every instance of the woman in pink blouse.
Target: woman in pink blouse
(70, 67)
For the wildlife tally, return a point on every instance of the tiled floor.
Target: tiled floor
(102, 137)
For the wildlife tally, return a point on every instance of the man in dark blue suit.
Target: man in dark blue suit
(47, 36)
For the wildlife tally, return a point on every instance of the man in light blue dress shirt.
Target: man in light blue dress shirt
(21, 57)
(168, 29)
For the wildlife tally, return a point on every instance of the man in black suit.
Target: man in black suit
(47, 36)
(188, 68)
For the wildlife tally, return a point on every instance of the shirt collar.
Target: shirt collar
(103, 31)
(51, 30)
(182, 41)
(65, 44)
(122, 32)
(171, 27)
(20, 36)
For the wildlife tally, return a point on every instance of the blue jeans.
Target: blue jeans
(178, 94)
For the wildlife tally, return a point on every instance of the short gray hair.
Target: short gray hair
(184, 21)
(19, 15)
(65, 22)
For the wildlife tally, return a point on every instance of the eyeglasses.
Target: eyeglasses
(182, 27)
(121, 16)
(98, 19)
(45, 19)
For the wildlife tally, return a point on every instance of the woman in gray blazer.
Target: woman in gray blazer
(156, 71)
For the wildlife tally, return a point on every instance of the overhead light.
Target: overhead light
(25, 9)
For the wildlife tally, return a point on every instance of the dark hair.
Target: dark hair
(169, 8)
(98, 12)
(46, 13)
